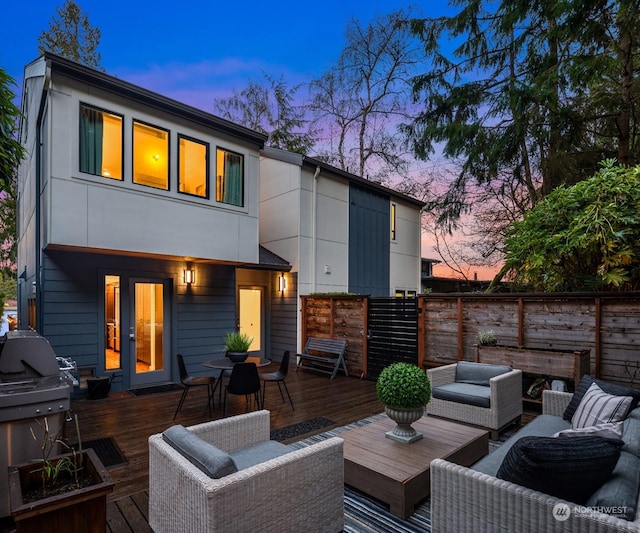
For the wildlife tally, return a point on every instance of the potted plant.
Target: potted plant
(237, 345)
(405, 390)
(487, 338)
(66, 492)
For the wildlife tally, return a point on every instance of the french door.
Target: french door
(149, 346)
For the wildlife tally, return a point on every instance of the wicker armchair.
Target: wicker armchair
(463, 499)
(299, 491)
(505, 397)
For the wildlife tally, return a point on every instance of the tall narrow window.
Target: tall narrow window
(393, 222)
(193, 164)
(229, 177)
(150, 156)
(100, 143)
(112, 322)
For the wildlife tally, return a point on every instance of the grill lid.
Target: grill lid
(25, 354)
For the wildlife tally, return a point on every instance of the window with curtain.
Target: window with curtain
(150, 156)
(229, 177)
(193, 167)
(100, 143)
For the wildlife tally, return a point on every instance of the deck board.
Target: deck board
(131, 420)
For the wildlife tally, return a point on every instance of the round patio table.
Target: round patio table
(224, 363)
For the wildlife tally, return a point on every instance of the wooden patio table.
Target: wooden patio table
(398, 473)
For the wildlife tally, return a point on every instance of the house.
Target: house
(339, 232)
(140, 229)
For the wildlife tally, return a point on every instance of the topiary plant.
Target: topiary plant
(403, 386)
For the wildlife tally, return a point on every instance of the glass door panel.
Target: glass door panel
(250, 307)
(148, 333)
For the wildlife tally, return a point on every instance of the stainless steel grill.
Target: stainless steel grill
(33, 384)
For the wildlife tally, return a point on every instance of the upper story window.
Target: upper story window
(100, 143)
(229, 177)
(193, 167)
(150, 156)
(393, 222)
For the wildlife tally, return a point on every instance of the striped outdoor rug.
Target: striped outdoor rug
(363, 514)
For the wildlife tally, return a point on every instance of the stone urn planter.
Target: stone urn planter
(72, 510)
(405, 390)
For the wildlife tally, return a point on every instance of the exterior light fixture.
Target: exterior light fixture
(282, 283)
(189, 276)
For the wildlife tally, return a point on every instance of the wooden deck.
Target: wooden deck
(130, 420)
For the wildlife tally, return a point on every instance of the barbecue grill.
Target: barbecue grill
(33, 384)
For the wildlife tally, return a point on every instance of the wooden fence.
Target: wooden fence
(606, 324)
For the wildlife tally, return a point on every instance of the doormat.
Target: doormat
(300, 428)
(107, 451)
(169, 387)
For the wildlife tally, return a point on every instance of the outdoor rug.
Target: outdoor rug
(107, 451)
(155, 390)
(363, 514)
(300, 428)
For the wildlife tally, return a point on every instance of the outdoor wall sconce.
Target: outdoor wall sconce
(189, 276)
(282, 283)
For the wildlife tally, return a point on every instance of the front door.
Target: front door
(149, 332)
(251, 317)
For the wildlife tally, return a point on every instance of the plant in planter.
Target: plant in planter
(237, 345)
(487, 338)
(405, 390)
(66, 492)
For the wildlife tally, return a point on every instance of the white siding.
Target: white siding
(405, 249)
(96, 212)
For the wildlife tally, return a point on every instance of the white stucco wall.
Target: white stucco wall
(405, 253)
(95, 212)
(280, 209)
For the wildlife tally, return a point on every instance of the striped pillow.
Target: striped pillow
(598, 407)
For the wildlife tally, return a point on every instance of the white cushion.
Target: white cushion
(610, 430)
(598, 407)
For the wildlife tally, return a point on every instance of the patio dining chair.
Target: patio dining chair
(279, 376)
(244, 381)
(188, 382)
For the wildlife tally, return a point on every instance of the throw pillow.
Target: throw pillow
(598, 407)
(609, 430)
(571, 469)
(207, 457)
(609, 388)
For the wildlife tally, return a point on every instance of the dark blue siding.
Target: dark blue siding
(369, 247)
(73, 318)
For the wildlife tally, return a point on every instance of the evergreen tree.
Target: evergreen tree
(270, 109)
(71, 36)
(537, 94)
(11, 151)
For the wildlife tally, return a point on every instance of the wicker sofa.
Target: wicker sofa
(463, 382)
(465, 499)
(301, 490)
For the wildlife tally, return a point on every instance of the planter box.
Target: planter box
(79, 510)
(569, 364)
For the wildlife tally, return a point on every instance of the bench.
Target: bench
(323, 355)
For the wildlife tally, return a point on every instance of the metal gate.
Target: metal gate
(392, 333)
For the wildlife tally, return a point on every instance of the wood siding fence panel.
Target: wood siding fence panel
(341, 318)
(606, 324)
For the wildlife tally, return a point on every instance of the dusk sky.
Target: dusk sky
(195, 51)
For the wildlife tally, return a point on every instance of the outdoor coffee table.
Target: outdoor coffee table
(398, 473)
